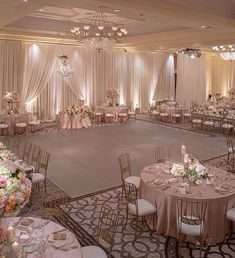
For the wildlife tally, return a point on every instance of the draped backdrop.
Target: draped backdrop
(32, 70)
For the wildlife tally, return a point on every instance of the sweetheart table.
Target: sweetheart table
(75, 121)
(162, 189)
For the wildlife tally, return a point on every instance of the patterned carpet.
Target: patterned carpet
(81, 217)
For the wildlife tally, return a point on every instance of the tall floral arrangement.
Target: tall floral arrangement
(85, 111)
(72, 110)
(112, 93)
(12, 97)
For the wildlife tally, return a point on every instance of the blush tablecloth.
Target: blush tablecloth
(50, 251)
(12, 119)
(216, 226)
(73, 122)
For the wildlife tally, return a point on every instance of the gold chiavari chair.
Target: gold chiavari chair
(190, 220)
(137, 207)
(125, 167)
(162, 154)
(107, 227)
(231, 150)
(7, 140)
(4, 127)
(123, 115)
(34, 123)
(230, 215)
(16, 145)
(27, 151)
(55, 208)
(41, 174)
(21, 124)
(35, 156)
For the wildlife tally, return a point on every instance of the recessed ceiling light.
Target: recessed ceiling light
(41, 10)
(25, 1)
(116, 10)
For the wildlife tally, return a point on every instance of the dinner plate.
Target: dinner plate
(60, 243)
(158, 183)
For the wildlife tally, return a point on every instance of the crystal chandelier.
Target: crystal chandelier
(226, 51)
(64, 67)
(99, 33)
(191, 52)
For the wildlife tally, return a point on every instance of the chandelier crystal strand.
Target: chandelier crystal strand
(191, 52)
(99, 33)
(227, 52)
(64, 67)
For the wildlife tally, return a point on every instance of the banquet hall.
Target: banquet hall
(117, 126)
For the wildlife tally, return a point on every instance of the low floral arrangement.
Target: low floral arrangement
(231, 91)
(177, 170)
(112, 93)
(195, 169)
(85, 111)
(15, 188)
(63, 59)
(12, 97)
(73, 110)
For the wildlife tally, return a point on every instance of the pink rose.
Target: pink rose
(3, 181)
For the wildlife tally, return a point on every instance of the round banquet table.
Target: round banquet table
(166, 195)
(51, 252)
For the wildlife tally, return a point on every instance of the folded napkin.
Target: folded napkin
(157, 183)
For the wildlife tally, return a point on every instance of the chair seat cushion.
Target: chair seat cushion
(209, 123)
(188, 229)
(34, 122)
(231, 150)
(230, 214)
(122, 114)
(176, 115)
(155, 112)
(4, 126)
(21, 124)
(135, 180)
(144, 207)
(37, 177)
(98, 114)
(109, 115)
(131, 113)
(163, 114)
(93, 252)
(227, 126)
(187, 114)
(196, 121)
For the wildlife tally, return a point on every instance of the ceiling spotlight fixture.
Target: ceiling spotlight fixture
(190, 52)
(227, 52)
(41, 10)
(116, 10)
(99, 33)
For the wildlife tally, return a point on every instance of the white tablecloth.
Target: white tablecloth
(73, 122)
(52, 252)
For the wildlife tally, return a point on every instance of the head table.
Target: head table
(163, 189)
(52, 250)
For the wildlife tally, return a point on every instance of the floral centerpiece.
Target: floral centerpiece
(85, 111)
(12, 97)
(231, 92)
(177, 170)
(71, 111)
(15, 188)
(113, 95)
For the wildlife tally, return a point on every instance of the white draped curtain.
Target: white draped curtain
(31, 69)
(191, 80)
(220, 74)
(38, 66)
(11, 67)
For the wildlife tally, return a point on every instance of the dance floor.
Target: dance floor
(86, 160)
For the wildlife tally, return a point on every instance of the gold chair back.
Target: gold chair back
(27, 151)
(44, 161)
(16, 145)
(162, 154)
(191, 213)
(35, 156)
(125, 164)
(131, 193)
(107, 225)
